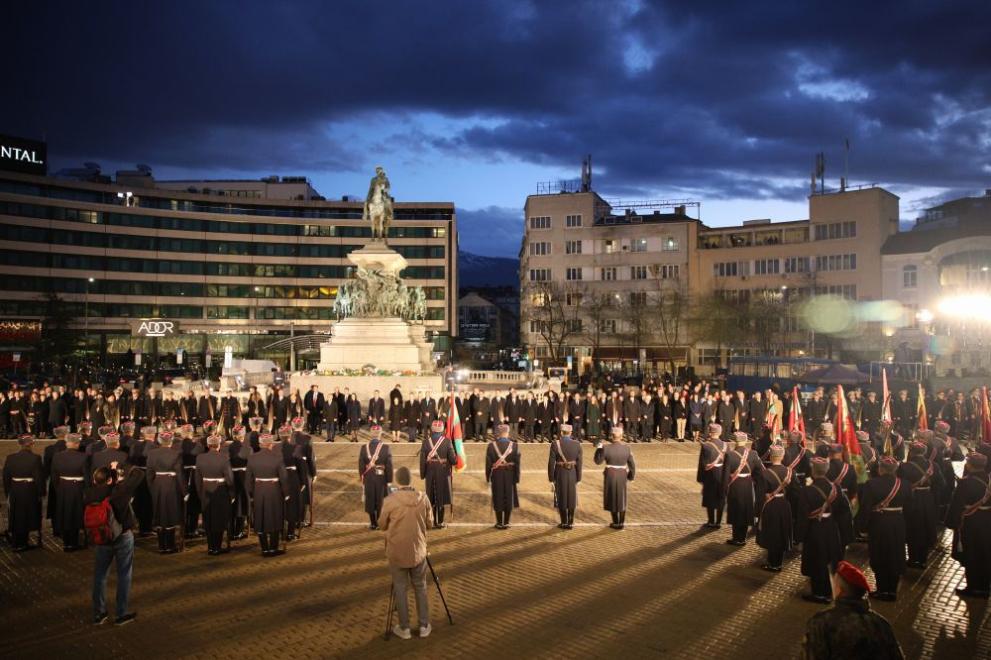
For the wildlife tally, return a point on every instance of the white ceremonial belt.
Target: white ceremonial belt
(165, 474)
(188, 467)
(238, 469)
(23, 480)
(826, 515)
(892, 509)
(266, 479)
(742, 475)
(290, 467)
(71, 478)
(984, 508)
(779, 495)
(618, 467)
(214, 479)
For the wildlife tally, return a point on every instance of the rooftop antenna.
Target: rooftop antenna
(587, 174)
(820, 172)
(846, 164)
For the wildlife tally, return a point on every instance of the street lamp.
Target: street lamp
(86, 310)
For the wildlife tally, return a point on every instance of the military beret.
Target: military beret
(25, 439)
(73, 437)
(741, 438)
(977, 461)
(566, 429)
(60, 431)
(777, 451)
(853, 576)
(942, 427)
(503, 429)
(437, 426)
(213, 440)
(266, 439)
(863, 437)
(715, 429)
(149, 430)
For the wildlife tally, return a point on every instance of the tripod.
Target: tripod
(392, 602)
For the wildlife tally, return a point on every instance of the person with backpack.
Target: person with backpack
(109, 521)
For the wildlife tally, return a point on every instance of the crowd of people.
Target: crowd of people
(222, 466)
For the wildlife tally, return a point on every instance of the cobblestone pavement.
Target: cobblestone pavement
(661, 587)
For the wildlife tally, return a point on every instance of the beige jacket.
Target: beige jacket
(405, 519)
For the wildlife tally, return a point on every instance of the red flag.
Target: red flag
(845, 433)
(921, 411)
(985, 416)
(795, 420)
(885, 397)
(453, 432)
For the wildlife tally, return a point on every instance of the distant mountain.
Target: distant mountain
(476, 270)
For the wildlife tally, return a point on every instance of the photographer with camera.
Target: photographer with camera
(109, 521)
(405, 519)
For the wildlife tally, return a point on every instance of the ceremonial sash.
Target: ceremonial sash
(976, 506)
(838, 481)
(883, 504)
(501, 457)
(372, 459)
(923, 476)
(743, 464)
(781, 484)
(719, 456)
(827, 501)
(794, 463)
(564, 462)
(434, 448)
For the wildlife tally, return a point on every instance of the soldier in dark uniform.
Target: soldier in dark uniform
(137, 456)
(868, 453)
(214, 483)
(292, 458)
(797, 459)
(68, 475)
(268, 487)
(918, 476)
(51, 450)
(168, 491)
(564, 470)
(969, 516)
(882, 503)
(742, 469)
(850, 629)
(951, 452)
(844, 477)
(710, 475)
(126, 436)
(375, 472)
(24, 485)
(191, 448)
(238, 452)
(255, 423)
(817, 530)
(437, 458)
(620, 468)
(774, 531)
(112, 454)
(307, 464)
(502, 470)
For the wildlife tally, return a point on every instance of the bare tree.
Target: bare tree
(671, 308)
(555, 321)
(596, 308)
(635, 313)
(718, 319)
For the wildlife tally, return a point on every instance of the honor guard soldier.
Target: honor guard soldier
(502, 470)
(307, 465)
(47, 457)
(255, 424)
(950, 454)
(168, 491)
(86, 432)
(112, 454)
(917, 475)
(620, 468)
(742, 469)
(867, 453)
(817, 530)
(844, 477)
(24, 485)
(126, 436)
(191, 448)
(969, 517)
(710, 475)
(238, 452)
(564, 470)
(437, 457)
(797, 459)
(375, 472)
(69, 478)
(293, 461)
(214, 485)
(774, 531)
(882, 504)
(268, 487)
(138, 457)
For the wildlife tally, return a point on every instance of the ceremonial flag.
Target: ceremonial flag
(885, 397)
(453, 432)
(847, 435)
(985, 416)
(921, 411)
(795, 420)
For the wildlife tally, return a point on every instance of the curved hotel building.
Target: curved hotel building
(229, 265)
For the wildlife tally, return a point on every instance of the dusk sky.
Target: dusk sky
(475, 102)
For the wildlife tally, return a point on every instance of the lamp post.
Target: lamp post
(86, 311)
(925, 319)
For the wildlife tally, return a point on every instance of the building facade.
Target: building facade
(231, 264)
(657, 268)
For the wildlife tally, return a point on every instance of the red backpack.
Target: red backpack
(101, 524)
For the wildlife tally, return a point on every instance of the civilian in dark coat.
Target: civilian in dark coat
(354, 417)
(376, 410)
(313, 405)
(331, 413)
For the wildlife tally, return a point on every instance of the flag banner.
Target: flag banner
(795, 420)
(453, 432)
(920, 410)
(885, 397)
(846, 435)
(985, 430)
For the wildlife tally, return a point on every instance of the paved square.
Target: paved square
(661, 587)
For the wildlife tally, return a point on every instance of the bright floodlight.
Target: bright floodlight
(967, 307)
(924, 316)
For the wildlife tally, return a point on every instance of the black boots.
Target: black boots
(373, 520)
(439, 517)
(502, 519)
(166, 540)
(567, 519)
(270, 544)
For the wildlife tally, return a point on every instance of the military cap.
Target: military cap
(942, 427)
(715, 430)
(795, 437)
(60, 431)
(266, 439)
(256, 423)
(112, 438)
(74, 438)
(617, 431)
(25, 439)
(103, 431)
(826, 428)
(853, 576)
(213, 440)
(925, 435)
(977, 461)
(863, 437)
(777, 451)
(165, 438)
(437, 426)
(128, 426)
(297, 423)
(238, 430)
(566, 429)
(503, 429)
(149, 431)
(820, 466)
(741, 438)
(917, 448)
(888, 464)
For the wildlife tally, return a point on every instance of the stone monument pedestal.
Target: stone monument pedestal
(389, 344)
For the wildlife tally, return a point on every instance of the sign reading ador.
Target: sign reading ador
(154, 328)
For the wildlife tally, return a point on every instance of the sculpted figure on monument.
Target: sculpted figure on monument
(378, 205)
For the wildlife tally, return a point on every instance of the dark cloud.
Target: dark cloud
(713, 99)
(494, 231)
